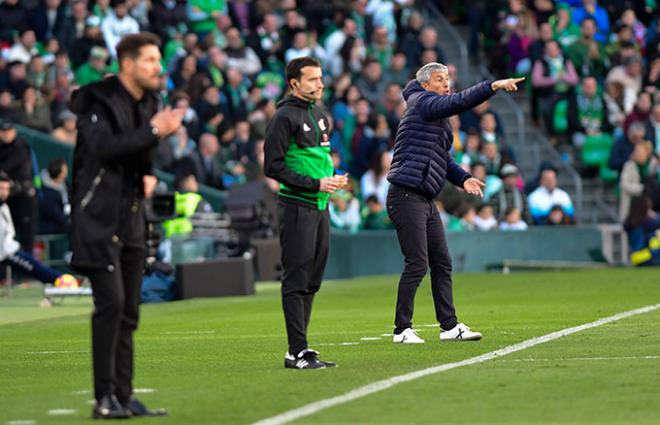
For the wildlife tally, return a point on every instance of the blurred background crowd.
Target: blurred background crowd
(593, 72)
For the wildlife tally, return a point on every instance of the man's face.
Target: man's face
(29, 39)
(190, 184)
(393, 93)
(589, 87)
(234, 39)
(488, 123)
(98, 63)
(549, 180)
(5, 99)
(79, 11)
(552, 49)
(310, 85)
(145, 69)
(8, 136)
(121, 10)
(374, 71)
(634, 69)
(588, 29)
(270, 23)
(438, 83)
(545, 31)
(380, 35)
(4, 190)
(510, 180)
(429, 38)
(641, 153)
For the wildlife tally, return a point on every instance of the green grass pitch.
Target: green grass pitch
(220, 361)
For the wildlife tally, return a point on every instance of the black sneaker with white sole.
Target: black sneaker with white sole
(306, 359)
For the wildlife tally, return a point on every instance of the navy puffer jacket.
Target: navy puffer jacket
(421, 160)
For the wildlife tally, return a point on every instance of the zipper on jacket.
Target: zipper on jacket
(90, 193)
(318, 133)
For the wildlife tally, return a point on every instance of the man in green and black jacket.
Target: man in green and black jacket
(297, 155)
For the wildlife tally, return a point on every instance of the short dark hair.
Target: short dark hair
(181, 176)
(131, 44)
(4, 177)
(294, 68)
(55, 167)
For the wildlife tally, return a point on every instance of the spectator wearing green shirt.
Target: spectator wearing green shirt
(203, 13)
(376, 217)
(95, 68)
(587, 54)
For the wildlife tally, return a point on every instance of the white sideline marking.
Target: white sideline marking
(370, 338)
(80, 392)
(143, 390)
(573, 359)
(58, 352)
(22, 422)
(188, 332)
(62, 412)
(378, 386)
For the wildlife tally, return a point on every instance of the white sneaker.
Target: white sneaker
(459, 332)
(408, 336)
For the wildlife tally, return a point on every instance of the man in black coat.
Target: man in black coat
(54, 206)
(119, 125)
(16, 161)
(421, 165)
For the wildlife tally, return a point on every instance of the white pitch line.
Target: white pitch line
(59, 352)
(577, 359)
(378, 386)
(370, 338)
(62, 412)
(22, 422)
(143, 390)
(189, 332)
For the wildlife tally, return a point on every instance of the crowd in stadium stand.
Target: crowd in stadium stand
(594, 76)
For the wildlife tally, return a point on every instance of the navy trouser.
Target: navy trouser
(423, 244)
(24, 261)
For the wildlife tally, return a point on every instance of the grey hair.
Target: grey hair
(424, 73)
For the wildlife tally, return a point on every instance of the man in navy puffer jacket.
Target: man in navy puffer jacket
(420, 166)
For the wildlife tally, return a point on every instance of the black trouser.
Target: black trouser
(305, 239)
(423, 243)
(24, 215)
(115, 317)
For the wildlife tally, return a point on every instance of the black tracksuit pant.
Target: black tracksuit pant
(117, 307)
(304, 237)
(423, 244)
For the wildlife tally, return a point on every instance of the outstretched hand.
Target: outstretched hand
(473, 186)
(509, 84)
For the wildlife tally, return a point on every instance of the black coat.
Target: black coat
(16, 161)
(52, 219)
(112, 155)
(40, 22)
